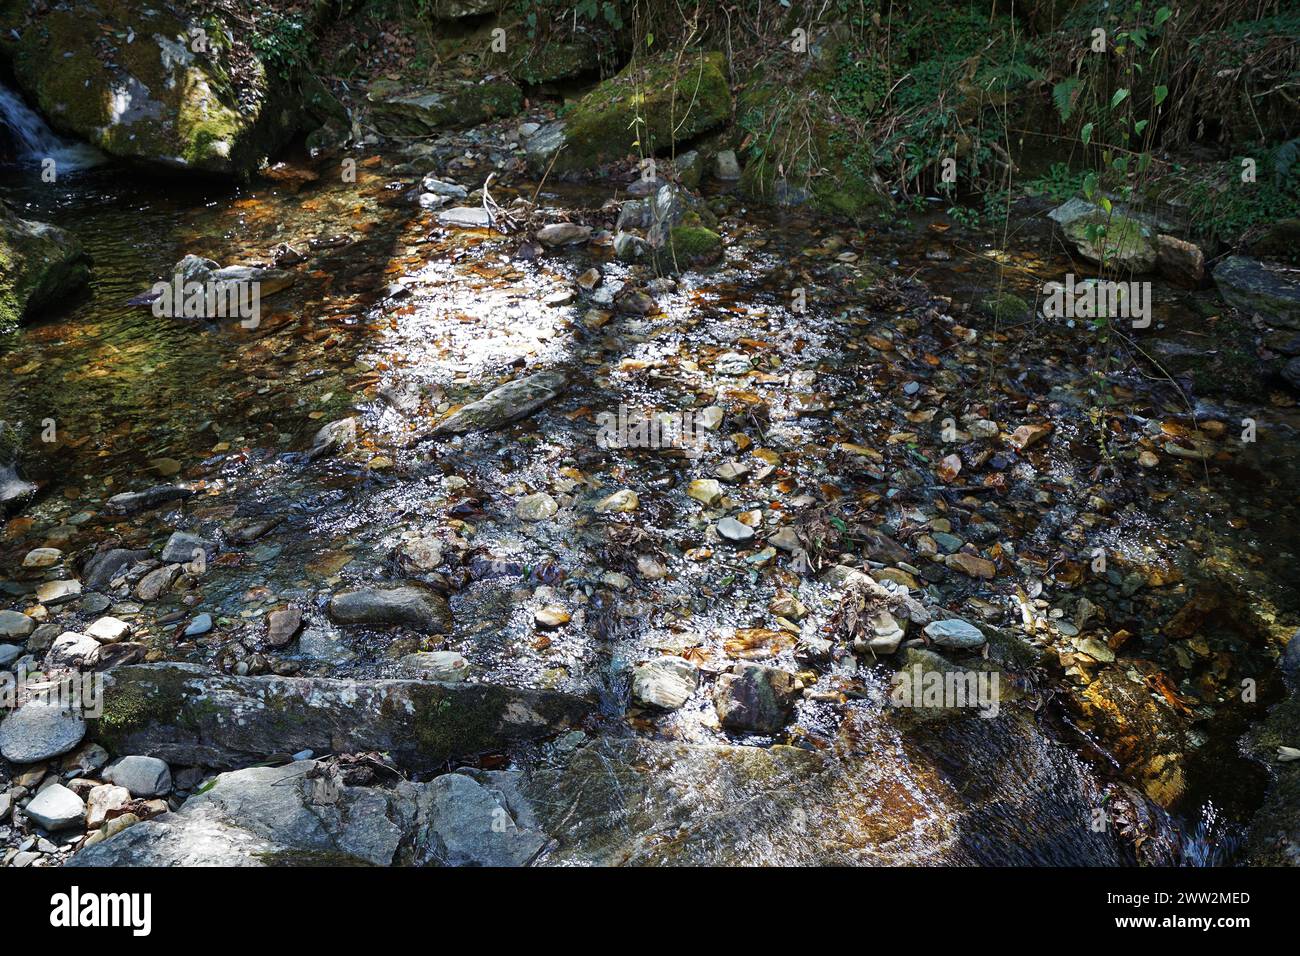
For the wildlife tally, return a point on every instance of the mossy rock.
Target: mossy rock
(548, 59)
(697, 245)
(798, 152)
(647, 108)
(192, 716)
(153, 99)
(449, 105)
(1117, 241)
(1003, 306)
(39, 265)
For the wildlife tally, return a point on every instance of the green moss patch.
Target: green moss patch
(646, 109)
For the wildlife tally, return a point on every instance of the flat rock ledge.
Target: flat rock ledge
(188, 715)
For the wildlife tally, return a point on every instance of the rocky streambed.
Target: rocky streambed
(419, 568)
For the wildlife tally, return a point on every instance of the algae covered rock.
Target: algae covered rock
(448, 104)
(146, 81)
(646, 108)
(507, 403)
(1253, 286)
(188, 715)
(798, 152)
(39, 265)
(1110, 237)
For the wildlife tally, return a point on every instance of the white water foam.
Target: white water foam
(36, 142)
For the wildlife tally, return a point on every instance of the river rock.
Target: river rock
(725, 165)
(57, 808)
(41, 558)
(108, 630)
(1179, 260)
(651, 104)
(304, 813)
(143, 776)
(505, 404)
(732, 530)
(124, 77)
(447, 667)
(563, 234)
(15, 625)
(194, 717)
(1128, 244)
(886, 633)
(543, 143)
(181, 547)
(43, 265)
(755, 699)
(443, 101)
(471, 825)
(72, 651)
(152, 585)
(282, 625)
(38, 730)
(104, 566)
(954, 633)
(536, 507)
(620, 501)
(705, 490)
(58, 592)
(666, 682)
(551, 617)
(129, 502)
(972, 565)
(103, 800)
(8, 654)
(335, 437)
(431, 184)
(466, 217)
(1267, 288)
(411, 605)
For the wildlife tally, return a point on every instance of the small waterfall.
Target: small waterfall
(34, 141)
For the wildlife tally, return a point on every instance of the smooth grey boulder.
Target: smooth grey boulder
(14, 625)
(57, 808)
(466, 217)
(142, 776)
(505, 404)
(38, 730)
(409, 605)
(954, 633)
(190, 716)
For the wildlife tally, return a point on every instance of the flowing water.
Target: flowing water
(236, 407)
